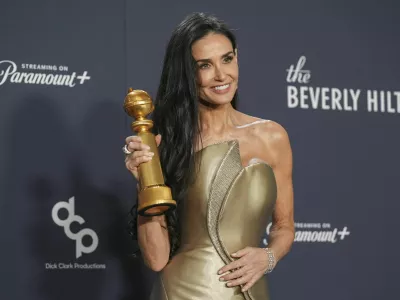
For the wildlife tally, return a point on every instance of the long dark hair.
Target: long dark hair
(176, 115)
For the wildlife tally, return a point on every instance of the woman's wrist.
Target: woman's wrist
(271, 260)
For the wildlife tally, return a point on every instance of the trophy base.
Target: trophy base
(155, 201)
(156, 209)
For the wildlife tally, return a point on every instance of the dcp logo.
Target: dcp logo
(70, 207)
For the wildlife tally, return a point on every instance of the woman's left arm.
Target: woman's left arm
(281, 235)
(251, 262)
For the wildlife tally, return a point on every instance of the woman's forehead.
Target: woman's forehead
(210, 46)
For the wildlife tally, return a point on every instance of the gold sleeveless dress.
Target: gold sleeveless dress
(227, 209)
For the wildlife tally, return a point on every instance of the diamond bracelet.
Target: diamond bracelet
(271, 260)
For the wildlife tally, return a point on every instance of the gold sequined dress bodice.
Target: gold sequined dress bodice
(227, 209)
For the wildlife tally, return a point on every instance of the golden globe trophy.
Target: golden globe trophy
(155, 198)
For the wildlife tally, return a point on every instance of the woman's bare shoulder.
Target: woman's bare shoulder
(271, 133)
(268, 131)
(260, 126)
(271, 130)
(275, 140)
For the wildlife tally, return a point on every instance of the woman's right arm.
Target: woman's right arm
(152, 232)
(154, 241)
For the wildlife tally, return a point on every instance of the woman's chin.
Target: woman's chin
(217, 101)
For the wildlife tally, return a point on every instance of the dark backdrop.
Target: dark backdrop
(64, 141)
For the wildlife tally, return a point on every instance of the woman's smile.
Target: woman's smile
(221, 89)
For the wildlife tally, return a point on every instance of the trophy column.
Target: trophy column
(155, 198)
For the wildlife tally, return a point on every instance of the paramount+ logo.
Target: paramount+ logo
(40, 74)
(66, 224)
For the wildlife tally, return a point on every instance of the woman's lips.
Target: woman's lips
(221, 89)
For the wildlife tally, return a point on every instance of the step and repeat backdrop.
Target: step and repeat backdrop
(329, 73)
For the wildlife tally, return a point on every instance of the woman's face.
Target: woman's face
(217, 68)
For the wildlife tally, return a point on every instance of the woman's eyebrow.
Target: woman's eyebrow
(208, 59)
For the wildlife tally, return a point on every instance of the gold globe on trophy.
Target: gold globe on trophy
(155, 198)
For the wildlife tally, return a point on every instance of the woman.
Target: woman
(229, 173)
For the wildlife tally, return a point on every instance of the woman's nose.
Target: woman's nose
(219, 74)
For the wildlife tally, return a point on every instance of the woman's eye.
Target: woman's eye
(228, 59)
(204, 66)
